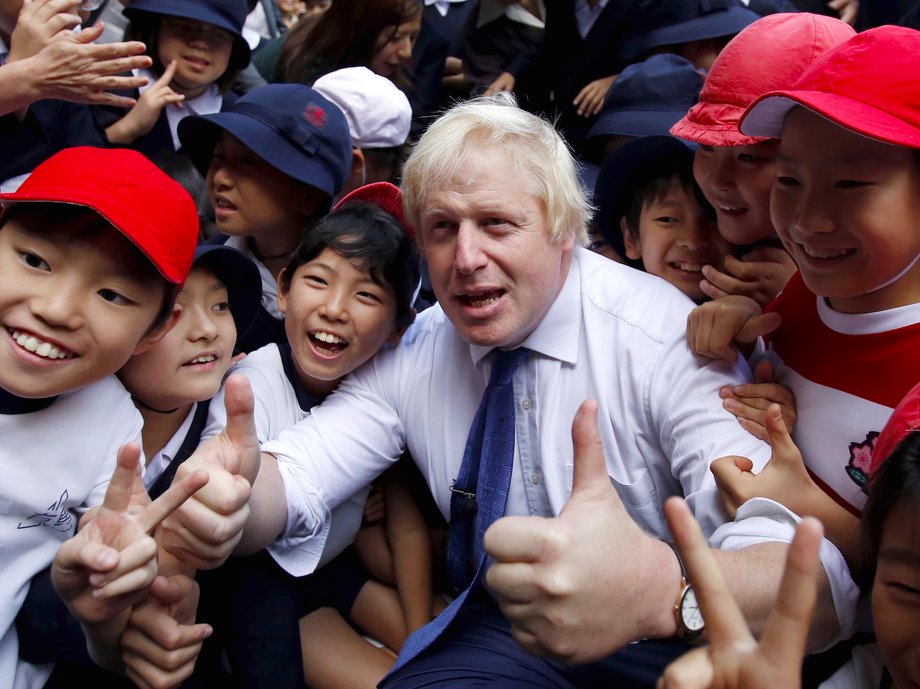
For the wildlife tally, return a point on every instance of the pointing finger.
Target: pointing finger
(170, 500)
(121, 486)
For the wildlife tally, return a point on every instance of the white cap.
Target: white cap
(378, 113)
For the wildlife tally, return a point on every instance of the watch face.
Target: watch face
(690, 613)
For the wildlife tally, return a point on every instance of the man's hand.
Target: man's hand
(590, 99)
(39, 23)
(577, 587)
(734, 659)
(760, 274)
(714, 328)
(205, 530)
(111, 561)
(143, 116)
(749, 402)
(784, 478)
(162, 641)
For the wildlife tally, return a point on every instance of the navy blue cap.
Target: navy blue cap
(227, 14)
(240, 276)
(290, 126)
(649, 97)
(627, 170)
(690, 20)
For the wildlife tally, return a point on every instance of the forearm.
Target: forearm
(267, 509)
(411, 546)
(840, 526)
(103, 641)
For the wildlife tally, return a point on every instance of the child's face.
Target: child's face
(676, 239)
(336, 318)
(201, 51)
(250, 197)
(394, 47)
(736, 180)
(189, 363)
(848, 211)
(73, 309)
(896, 595)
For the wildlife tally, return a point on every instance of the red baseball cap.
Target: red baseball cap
(141, 201)
(904, 419)
(770, 54)
(868, 85)
(385, 196)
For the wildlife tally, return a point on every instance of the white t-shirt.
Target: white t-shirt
(57, 463)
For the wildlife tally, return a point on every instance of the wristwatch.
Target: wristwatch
(687, 612)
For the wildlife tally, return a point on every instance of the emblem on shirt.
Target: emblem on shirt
(861, 460)
(57, 517)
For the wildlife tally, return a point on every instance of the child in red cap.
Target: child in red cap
(735, 170)
(88, 276)
(845, 331)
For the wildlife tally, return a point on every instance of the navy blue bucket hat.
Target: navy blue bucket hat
(649, 97)
(290, 126)
(689, 20)
(229, 15)
(240, 276)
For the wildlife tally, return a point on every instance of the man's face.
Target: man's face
(493, 267)
(72, 310)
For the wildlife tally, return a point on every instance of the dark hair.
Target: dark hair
(896, 481)
(180, 168)
(146, 29)
(81, 223)
(373, 238)
(657, 189)
(345, 35)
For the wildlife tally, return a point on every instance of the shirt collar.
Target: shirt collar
(441, 5)
(13, 404)
(557, 335)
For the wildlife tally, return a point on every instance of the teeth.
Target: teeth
(689, 267)
(328, 338)
(36, 346)
(206, 359)
(824, 253)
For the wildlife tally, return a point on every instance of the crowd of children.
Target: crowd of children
(761, 159)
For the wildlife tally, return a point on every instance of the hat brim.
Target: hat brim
(199, 133)
(141, 11)
(714, 125)
(240, 276)
(711, 25)
(765, 116)
(635, 123)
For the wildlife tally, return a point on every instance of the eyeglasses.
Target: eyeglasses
(189, 30)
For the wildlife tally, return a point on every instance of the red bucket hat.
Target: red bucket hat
(904, 419)
(148, 207)
(868, 85)
(770, 54)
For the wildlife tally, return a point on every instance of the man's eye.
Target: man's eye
(34, 260)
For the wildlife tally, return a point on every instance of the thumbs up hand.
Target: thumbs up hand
(581, 585)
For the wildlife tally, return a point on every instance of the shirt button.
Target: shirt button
(525, 404)
(535, 478)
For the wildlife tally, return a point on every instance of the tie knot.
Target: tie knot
(506, 361)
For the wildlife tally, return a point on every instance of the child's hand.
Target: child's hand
(749, 402)
(204, 531)
(714, 328)
(375, 507)
(162, 641)
(761, 274)
(143, 116)
(590, 99)
(111, 561)
(734, 659)
(784, 479)
(846, 9)
(503, 82)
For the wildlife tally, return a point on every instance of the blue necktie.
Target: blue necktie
(478, 495)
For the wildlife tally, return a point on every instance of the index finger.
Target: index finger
(724, 622)
(168, 73)
(180, 491)
(121, 486)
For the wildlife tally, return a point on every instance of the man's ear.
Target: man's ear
(630, 241)
(397, 333)
(282, 292)
(156, 334)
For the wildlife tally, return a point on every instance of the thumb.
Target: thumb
(170, 590)
(241, 427)
(758, 326)
(89, 34)
(764, 373)
(590, 469)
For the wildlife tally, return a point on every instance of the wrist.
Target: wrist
(666, 576)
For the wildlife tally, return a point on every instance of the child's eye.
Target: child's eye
(221, 306)
(315, 280)
(786, 181)
(705, 149)
(370, 296)
(667, 219)
(850, 184)
(34, 260)
(748, 158)
(114, 297)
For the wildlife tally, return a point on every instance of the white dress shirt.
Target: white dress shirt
(614, 334)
